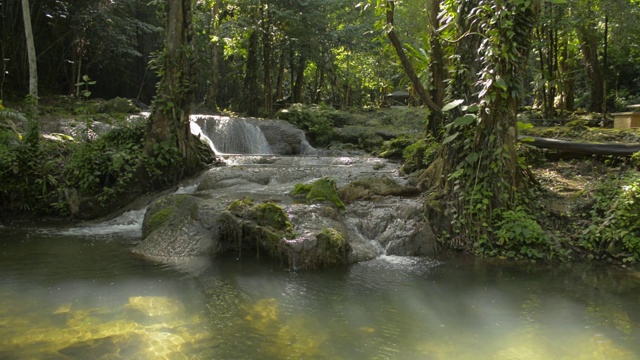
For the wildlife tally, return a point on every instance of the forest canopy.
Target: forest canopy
(252, 55)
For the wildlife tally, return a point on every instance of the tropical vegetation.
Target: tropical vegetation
(471, 66)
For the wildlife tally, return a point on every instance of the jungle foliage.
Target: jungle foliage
(474, 64)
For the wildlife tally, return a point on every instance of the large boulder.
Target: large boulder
(284, 138)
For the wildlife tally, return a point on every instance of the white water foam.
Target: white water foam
(129, 224)
(232, 135)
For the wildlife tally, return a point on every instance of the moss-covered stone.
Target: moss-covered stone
(334, 246)
(240, 207)
(367, 188)
(160, 217)
(323, 189)
(271, 215)
(393, 149)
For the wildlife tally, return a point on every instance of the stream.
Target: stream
(85, 296)
(79, 293)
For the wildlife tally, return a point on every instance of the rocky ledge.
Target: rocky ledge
(307, 212)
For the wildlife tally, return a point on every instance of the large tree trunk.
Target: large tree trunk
(477, 170)
(169, 122)
(466, 49)
(31, 53)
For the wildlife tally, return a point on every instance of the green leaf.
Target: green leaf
(464, 120)
(473, 157)
(527, 139)
(557, 1)
(470, 108)
(500, 83)
(449, 138)
(452, 105)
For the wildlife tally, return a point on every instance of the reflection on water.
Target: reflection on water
(79, 297)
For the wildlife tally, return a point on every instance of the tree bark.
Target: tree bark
(406, 64)
(250, 86)
(214, 82)
(436, 118)
(169, 122)
(589, 47)
(31, 53)
(266, 58)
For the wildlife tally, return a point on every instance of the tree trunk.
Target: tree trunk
(169, 122)
(280, 78)
(266, 58)
(589, 47)
(477, 171)
(214, 82)
(408, 67)
(250, 86)
(436, 118)
(31, 53)
(466, 67)
(299, 78)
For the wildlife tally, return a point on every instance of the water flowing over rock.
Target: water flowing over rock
(387, 219)
(236, 135)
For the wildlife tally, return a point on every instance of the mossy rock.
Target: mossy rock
(394, 149)
(367, 188)
(321, 190)
(160, 217)
(272, 215)
(119, 105)
(168, 210)
(267, 214)
(334, 247)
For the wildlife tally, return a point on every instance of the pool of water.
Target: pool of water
(84, 296)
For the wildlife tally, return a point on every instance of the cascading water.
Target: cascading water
(374, 226)
(229, 135)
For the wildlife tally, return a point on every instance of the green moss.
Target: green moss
(271, 215)
(240, 207)
(324, 189)
(334, 237)
(393, 149)
(335, 246)
(159, 218)
(301, 189)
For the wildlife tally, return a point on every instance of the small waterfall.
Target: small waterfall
(234, 136)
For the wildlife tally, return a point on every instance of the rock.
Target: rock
(365, 189)
(284, 138)
(119, 105)
(252, 211)
(172, 228)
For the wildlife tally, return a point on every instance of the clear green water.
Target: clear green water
(86, 297)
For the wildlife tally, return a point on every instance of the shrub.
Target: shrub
(615, 230)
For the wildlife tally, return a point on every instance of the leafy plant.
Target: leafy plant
(518, 235)
(615, 228)
(86, 82)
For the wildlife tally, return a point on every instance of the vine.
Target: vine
(485, 177)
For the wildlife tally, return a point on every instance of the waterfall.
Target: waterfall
(231, 135)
